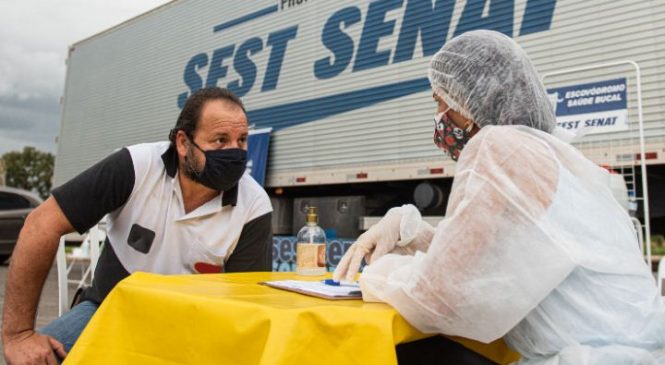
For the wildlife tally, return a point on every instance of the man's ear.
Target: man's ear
(181, 143)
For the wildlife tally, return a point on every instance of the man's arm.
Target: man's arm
(76, 205)
(31, 261)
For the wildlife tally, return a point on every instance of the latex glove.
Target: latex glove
(400, 231)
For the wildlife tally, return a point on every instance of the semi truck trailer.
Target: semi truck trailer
(343, 86)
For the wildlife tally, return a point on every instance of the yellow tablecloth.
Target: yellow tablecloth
(229, 319)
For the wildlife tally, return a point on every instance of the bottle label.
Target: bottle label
(310, 256)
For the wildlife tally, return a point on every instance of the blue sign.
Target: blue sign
(257, 153)
(590, 98)
(597, 107)
(284, 252)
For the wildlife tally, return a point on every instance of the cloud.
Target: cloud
(34, 39)
(33, 121)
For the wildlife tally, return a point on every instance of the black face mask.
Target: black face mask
(223, 168)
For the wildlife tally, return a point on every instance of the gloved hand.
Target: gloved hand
(400, 231)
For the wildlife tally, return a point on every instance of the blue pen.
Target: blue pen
(332, 282)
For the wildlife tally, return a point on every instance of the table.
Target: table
(229, 319)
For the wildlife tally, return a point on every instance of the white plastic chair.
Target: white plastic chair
(86, 257)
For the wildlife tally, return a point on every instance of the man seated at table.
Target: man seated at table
(174, 207)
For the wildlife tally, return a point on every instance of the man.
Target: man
(175, 207)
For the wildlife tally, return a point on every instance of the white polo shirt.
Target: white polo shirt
(148, 229)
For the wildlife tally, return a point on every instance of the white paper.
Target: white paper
(317, 287)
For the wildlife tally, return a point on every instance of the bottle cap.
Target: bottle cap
(311, 215)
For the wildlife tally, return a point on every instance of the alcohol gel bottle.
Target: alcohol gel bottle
(311, 247)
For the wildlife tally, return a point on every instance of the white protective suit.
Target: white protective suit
(534, 249)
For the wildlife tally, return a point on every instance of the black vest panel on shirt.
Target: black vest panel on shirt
(108, 273)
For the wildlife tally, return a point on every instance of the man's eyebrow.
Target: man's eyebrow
(226, 134)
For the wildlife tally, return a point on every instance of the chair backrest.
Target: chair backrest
(89, 252)
(661, 277)
(96, 238)
(61, 264)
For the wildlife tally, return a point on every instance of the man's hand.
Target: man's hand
(30, 347)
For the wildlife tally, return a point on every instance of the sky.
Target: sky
(34, 38)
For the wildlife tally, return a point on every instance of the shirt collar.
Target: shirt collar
(170, 159)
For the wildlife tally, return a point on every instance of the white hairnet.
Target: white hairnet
(488, 78)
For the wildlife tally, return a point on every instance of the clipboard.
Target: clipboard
(317, 289)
